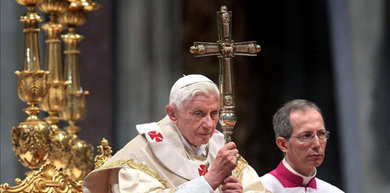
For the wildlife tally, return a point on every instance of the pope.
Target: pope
(183, 152)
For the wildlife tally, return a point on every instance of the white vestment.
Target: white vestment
(157, 161)
(284, 179)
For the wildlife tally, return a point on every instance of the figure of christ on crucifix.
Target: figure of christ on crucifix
(183, 152)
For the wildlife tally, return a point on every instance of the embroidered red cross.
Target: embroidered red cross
(202, 170)
(157, 135)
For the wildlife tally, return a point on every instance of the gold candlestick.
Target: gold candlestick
(30, 139)
(81, 152)
(55, 99)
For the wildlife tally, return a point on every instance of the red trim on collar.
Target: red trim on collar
(289, 179)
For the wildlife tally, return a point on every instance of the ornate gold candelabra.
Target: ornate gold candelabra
(55, 99)
(81, 153)
(30, 139)
(41, 147)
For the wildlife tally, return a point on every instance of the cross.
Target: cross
(225, 49)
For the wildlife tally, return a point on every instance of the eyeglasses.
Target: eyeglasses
(308, 137)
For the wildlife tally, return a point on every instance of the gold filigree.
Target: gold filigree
(200, 49)
(105, 153)
(30, 142)
(30, 139)
(56, 6)
(55, 99)
(146, 169)
(47, 179)
(194, 156)
(32, 85)
(76, 108)
(139, 166)
(227, 49)
(81, 159)
(59, 148)
(240, 167)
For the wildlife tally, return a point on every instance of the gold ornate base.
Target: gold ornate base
(47, 179)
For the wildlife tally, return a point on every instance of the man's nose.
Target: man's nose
(208, 122)
(316, 142)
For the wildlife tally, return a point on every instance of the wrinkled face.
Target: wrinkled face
(305, 156)
(198, 118)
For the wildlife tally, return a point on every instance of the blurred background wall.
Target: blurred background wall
(335, 53)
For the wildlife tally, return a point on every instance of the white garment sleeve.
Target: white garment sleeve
(132, 180)
(197, 185)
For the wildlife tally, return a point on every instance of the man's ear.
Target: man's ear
(281, 142)
(171, 112)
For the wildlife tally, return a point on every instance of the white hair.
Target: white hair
(188, 92)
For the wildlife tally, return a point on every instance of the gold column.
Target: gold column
(81, 153)
(55, 99)
(30, 139)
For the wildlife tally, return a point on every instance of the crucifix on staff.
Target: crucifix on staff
(225, 49)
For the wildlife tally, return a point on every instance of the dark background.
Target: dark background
(298, 60)
(295, 62)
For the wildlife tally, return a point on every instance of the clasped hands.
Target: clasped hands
(223, 165)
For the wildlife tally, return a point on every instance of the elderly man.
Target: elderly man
(301, 136)
(181, 153)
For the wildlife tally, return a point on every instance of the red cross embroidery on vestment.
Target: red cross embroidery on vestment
(202, 170)
(154, 135)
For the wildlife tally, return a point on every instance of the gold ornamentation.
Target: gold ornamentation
(199, 49)
(86, 5)
(45, 180)
(31, 85)
(30, 142)
(225, 17)
(29, 2)
(59, 148)
(253, 48)
(228, 99)
(55, 100)
(81, 159)
(73, 18)
(147, 170)
(227, 49)
(30, 139)
(105, 153)
(194, 156)
(240, 167)
(75, 109)
(53, 6)
(139, 166)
